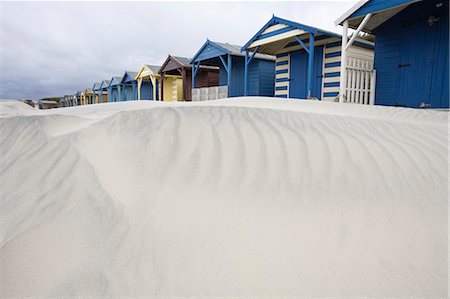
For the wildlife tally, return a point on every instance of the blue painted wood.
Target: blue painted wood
(374, 6)
(260, 76)
(332, 64)
(282, 62)
(306, 40)
(411, 57)
(274, 21)
(299, 77)
(209, 50)
(331, 84)
(310, 65)
(281, 71)
(146, 90)
(276, 32)
(332, 74)
(330, 94)
(333, 54)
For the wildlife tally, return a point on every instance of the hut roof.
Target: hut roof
(183, 60)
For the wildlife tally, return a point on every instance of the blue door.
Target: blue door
(423, 66)
(298, 74)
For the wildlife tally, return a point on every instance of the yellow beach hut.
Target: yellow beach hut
(148, 82)
(87, 97)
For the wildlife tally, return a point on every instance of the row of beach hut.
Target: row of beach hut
(406, 66)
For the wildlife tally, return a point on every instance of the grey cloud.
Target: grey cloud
(57, 48)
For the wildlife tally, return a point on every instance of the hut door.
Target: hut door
(298, 74)
(421, 54)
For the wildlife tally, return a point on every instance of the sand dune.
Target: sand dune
(244, 197)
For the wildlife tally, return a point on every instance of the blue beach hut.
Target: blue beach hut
(115, 89)
(231, 63)
(411, 49)
(308, 59)
(103, 88)
(129, 86)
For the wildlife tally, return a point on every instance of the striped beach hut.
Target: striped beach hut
(115, 89)
(148, 82)
(129, 86)
(176, 78)
(231, 63)
(308, 59)
(411, 50)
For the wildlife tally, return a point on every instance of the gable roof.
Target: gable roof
(104, 84)
(285, 29)
(227, 48)
(180, 61)
(115, 81)
(96, 86)
(147, 69)
(184, 61)
(128, 74)
(381, 11)
(279, 34)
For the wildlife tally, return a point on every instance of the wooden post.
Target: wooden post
(245, 74)
(139, 84)
(229, 73)
(310, 64)
(162, 87)
(343, 74)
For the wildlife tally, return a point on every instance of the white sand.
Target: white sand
(242, 197)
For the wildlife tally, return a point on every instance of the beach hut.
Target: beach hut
(47, 104)
(115, 89)
(411, 50)
(148, 82)
(103, 88)
(176, 78)
(87, 96)
(307, 59)
(129, 86)
(64, 101)
(231, 63)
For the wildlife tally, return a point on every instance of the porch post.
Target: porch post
(343, 74)
(310, 64)
(193, 75)
(139, 84)
(161, 88)
(230, 62)
(246, 74)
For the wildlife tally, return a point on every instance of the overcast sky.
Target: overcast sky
(57, 48)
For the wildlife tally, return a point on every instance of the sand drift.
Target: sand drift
(242, 197)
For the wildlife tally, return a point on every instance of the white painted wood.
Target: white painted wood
(343, 81)
(274, 28)
(284, 75)
(277, 37)
(372, 87)
(358, 30)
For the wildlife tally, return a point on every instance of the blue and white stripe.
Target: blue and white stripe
(331, 71)
(282, 68)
